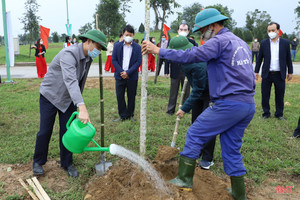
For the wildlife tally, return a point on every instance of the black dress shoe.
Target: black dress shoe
(281, 118)
(37, 169)
(72, 171)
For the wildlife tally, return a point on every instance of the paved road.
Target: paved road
(30, 71)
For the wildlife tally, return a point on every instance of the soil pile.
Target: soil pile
(127, 181)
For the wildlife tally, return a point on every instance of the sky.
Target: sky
(54, 13)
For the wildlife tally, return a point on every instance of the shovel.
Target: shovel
(166, 152)
(103, 166)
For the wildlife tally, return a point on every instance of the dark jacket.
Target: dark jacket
(173, 68)
(197, 76)
(285, 61)
(294, 45)
(135, 61)
(37, 50)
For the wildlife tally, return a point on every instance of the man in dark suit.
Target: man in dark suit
(126, 59)
(276, 54)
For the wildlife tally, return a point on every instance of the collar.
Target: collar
(223, 30)
(277, 41)
(125, 43)
(81, 53)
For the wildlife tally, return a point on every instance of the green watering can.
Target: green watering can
(79, 135)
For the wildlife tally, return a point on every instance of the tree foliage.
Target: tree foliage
(31, 20)
(55, 37)
(142, 28)
(111, 16)
(257, 22)
(85, 28)
(224, 10)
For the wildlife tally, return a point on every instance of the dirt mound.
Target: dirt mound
(165, 153)
(9, 175)
(127, 181)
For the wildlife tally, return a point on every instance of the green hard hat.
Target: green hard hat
(180, 43)
(207, 17)
(96, 36)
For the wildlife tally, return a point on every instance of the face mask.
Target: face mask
(128, 39)
(183, 33)
(272, 35)
(255, 40)
(41, 42)
(208, 34)
(94, 53)
(163, 39)
(153, 40)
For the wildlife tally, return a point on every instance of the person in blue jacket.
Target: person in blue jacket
(231, 87)
(198, 99)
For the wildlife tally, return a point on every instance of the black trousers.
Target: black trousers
(266, 85)
(47, 118)
(161, 61)
(254, 53)
(175, 83)
(207, 152)
(126, 111)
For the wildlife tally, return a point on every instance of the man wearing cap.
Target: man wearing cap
(231, 86)
(61, 92)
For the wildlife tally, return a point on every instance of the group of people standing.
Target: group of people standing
(220, 73)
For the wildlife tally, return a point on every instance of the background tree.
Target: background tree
(175, 23)
(63, 37)
(224, 10)
(297, 12)
(142, 28)
(248, 37)
(31, 21)
(85, 28)
(110, 17)
(257, 22)
(166, 6)
(55, 37)
(238, 32)
(189, 14)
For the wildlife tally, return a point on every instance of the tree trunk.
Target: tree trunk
(158, 68)
(156, 17)
(29, 49)
(143, 114)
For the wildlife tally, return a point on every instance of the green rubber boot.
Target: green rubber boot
(185, 175)
(238, 188)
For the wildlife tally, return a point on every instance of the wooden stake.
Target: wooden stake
(37, 192)
(28, 190)
(40, 188)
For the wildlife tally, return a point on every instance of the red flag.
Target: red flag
(280, 32)
(166, 30)
(201, 8)
(201, 42)
(45, 35)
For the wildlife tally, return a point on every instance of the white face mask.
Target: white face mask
(255, 40)
(183, 33)
(41, 42)
(128, 39)
(272, 35)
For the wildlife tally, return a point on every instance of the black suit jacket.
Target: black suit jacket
(285, 61)
(134, 63)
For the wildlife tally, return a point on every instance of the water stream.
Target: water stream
(135, 158)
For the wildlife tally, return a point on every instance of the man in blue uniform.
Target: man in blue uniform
(231, 86)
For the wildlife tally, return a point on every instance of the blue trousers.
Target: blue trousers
(229, 119)
(47, 118)
(293, 54)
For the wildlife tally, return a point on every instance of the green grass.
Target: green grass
(267, 147)
(54, 48)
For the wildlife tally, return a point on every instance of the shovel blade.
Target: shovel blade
(102, 167)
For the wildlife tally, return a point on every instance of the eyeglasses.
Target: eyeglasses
(181, 29)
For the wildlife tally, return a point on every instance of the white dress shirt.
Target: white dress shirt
(274, 65)
(127, 51)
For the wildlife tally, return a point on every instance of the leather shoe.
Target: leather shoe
(281, 118)
(72, 171)
(37, 169)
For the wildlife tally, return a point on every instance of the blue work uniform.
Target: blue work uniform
(231, 87)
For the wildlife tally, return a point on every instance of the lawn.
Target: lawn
(267, 147)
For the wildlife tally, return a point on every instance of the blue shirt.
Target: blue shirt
(229, 66)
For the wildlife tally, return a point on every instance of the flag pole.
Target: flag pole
(8, 80)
